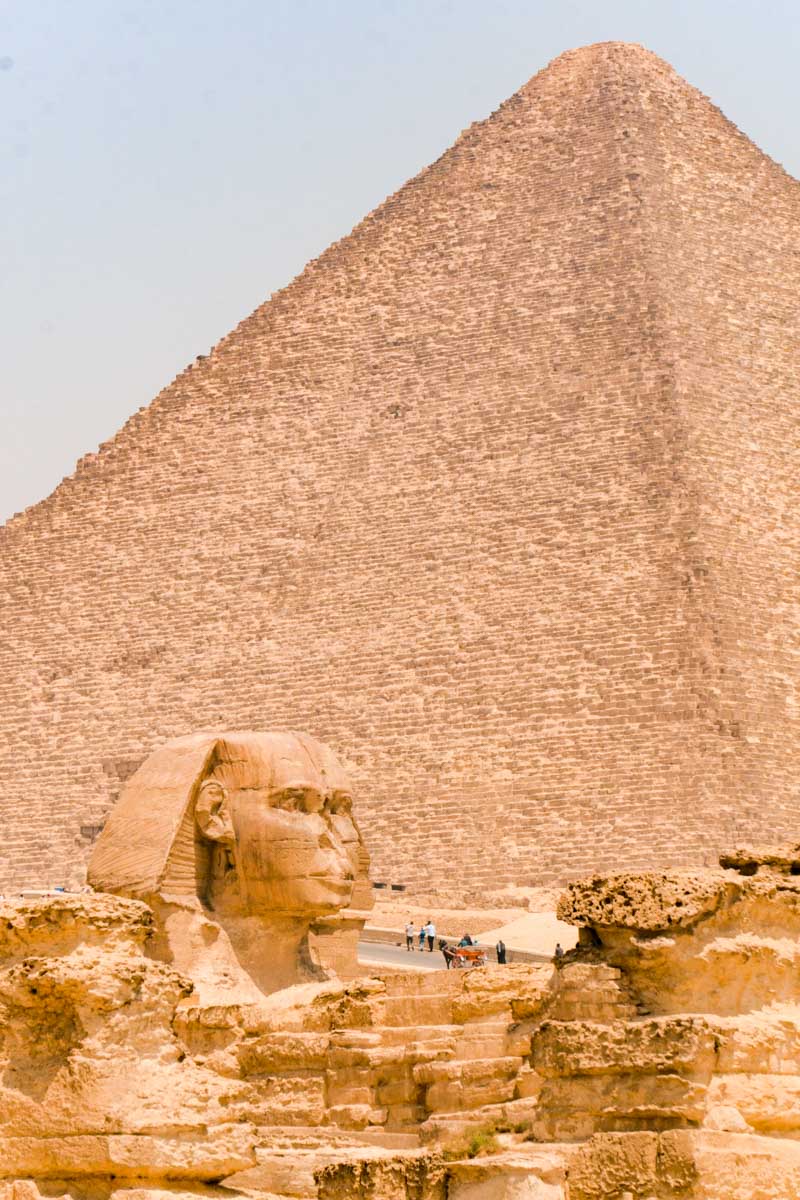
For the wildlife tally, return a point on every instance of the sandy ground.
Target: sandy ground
(535, 932)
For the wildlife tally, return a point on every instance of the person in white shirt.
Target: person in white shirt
(410, 935)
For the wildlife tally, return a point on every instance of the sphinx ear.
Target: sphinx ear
(212, 814)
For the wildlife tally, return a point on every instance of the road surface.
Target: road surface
(398, 956)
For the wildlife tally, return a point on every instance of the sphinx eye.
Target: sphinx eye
(291, 799)
(299, 800)
(341, 804)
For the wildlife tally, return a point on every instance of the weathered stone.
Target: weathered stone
(283, 1052)
(238, 841)
(652, 901)
(661, 1045)
(611, 1164)
(747, 860)
(415, 1177)
(189, 1156)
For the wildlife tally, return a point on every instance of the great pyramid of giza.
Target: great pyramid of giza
(497, 498)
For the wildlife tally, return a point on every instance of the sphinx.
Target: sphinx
(246, 848)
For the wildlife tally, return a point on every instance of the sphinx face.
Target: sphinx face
(281, 805)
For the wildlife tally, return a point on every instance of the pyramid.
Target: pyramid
(496, 498)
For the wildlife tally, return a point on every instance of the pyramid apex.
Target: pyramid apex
(631, 57)
(633, 51)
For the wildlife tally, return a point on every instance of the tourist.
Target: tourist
(559, 951)
(422, 937)
(466, 940)
(410, 935)
(430, 933)
(501, 952)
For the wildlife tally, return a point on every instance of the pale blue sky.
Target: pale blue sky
(167, 164)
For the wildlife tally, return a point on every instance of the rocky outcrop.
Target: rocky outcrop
(658, 1059)
(95, 1081)
(116, 1073)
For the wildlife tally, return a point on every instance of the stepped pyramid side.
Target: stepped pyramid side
(731, 273)
(495, 499)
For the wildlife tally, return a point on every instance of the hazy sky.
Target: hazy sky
(167, 164)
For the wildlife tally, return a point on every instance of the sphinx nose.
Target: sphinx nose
(333, 845)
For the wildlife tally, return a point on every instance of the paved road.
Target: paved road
(380, 952)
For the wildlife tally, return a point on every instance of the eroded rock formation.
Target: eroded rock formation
(660, 1059)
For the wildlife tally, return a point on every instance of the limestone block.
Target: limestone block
(469, 1085)
(285, 1172)
(610, 1164)
(747, 860)
(435, 1072)
(741, 954)
(651, 901)
(407, 1177)
(350, 1096)
(402, 1115)
(282, 1052)
(445, 1096)
(291, 1099)
(56, 925)
(535, 1175)
(313, 1008)
(676, 1166)
(349, 1116)
(422, 1010)
(518, 1039)
(488, 1039)
(528, 1084)
(767, 1103)
(432, 1050)
(192, 1155)
(358, 1038)
(659, 1045)
(591, 991)
(342, 1057)
(576, 1107)
(517, 991)
(764, 1042)
(735, 1166)
(489, 1068)
(204, 1030)
(398, 1091)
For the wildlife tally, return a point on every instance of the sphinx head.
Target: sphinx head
(252, 824)
(277, 810)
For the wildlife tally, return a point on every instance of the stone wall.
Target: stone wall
(495, 498)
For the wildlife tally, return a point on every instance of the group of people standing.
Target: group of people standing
(427, 933)
(426, 936)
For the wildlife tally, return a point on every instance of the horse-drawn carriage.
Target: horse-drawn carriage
(466, 957)
(463, 958)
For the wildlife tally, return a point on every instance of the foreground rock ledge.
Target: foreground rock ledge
(661, 1058)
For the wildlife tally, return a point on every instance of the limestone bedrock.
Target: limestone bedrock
(240, 843)
(659, 1060)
